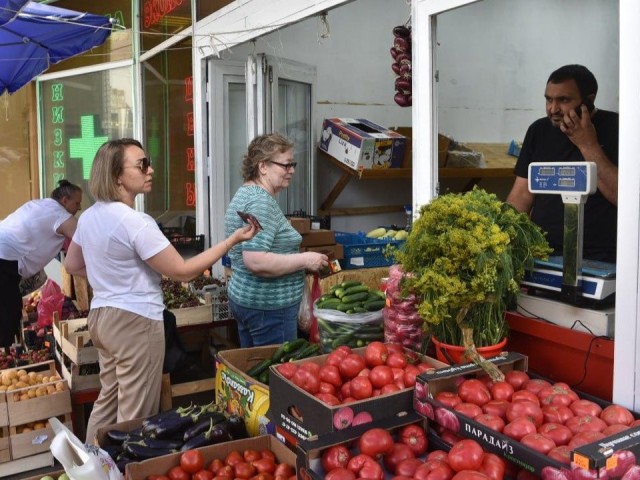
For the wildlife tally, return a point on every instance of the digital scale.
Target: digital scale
(570, 278)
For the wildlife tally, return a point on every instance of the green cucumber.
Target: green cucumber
(350, 283)
(259, 368)
(355, 297)
(343, 307)
(356, 289)
(311, 350)
(330, 304)
(374, 305)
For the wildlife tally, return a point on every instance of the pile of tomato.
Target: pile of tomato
(248, 464)
(548, 418)
(347, 376)
(379, 455)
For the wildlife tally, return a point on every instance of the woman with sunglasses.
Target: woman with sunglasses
(268, 271)
(29, 239)
(124, 254)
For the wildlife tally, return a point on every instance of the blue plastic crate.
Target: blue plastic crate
(363, 252)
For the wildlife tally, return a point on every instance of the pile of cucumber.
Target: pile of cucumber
(288, 351)
(350, 298)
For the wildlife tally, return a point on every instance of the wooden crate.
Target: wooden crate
(194, 315)
(52, 405)
(30, 443)
(40, 460)
(5, 448)
(4, 413)
(76, 381)
(74, 344)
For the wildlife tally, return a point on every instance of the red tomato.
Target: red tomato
(525, 396)
(361, 388)
(434, 470)
(615, 428)
(616, 415)
(251, 455)
(470, 475)
(560, 434)
(425, 367)
(582, 438)
(284, 470)
(518, 428)
(390, 388)
(449, 399)
(335, 457)
(502, 391)
(474, 391)
(215, 465)
(585, 423)
(345, 390)
(396, 360)
(327, 388)
(465, 455)
(312, 367)
(556, 414)
(327, 398)
(340, 474)
(561, 453)
(335, 357)
(225, 472)
(365, 372)
(415, 438)
(535, 385)
(375, 354)
(177, 473)
(557, 394)
(410, 374)
(381, 375)
(437, 455)
(585, 407)
(376, 441)
(192, 461)
(527, 410)
(345, 348)
(265, 465)
(233, 457)
(493, 466)
(517, 378)
(470, 410)
(202, 475)
(364, 466)
(398, 453)
(449, 436)
(244, 470)
(538, 442)
(330, 374)
(287, 369)
(496, 407)
(394, 348)
(351, 365)
(306, 380)
(266, 453)
(158, 477)
(494, 422)
(408, 467)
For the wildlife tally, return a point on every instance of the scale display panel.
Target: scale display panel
(563, 178)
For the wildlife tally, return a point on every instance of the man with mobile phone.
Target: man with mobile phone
(574, 130)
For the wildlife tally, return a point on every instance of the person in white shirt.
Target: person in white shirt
(30, 238)
(124, 254)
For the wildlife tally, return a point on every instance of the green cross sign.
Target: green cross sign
(87, 145)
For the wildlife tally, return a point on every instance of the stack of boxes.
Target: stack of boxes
(317, 240)
(76, 354)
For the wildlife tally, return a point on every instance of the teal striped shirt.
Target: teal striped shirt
(277, 236)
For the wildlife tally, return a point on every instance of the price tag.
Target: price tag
(581, 461)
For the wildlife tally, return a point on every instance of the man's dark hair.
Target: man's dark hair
(586, 81)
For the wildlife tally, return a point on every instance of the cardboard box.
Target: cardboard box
(301, 415)
(605, 458)
(443, 147)
(238, 393)
(444, 379)
(309, 452)
(161, 465)
(318, 237)
(302, 225)
(360, 144)
(335, 251)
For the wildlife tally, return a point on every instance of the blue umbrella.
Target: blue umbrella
(34, 36)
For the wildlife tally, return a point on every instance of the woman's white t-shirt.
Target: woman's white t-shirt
(29, 235)
(116, 240)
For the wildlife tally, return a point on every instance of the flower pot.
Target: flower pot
(455, 354)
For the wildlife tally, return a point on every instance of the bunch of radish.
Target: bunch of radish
(401, 66)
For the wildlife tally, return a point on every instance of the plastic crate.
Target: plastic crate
(363, 252)
(220, 302)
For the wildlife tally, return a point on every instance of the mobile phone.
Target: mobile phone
(249, 218)
(590, 107)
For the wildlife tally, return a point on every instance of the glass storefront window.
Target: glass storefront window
(168, 133)
(117, 47)
(160, 19)
(80, 113)
(205, 8)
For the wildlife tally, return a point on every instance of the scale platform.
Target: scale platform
(598, 278)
